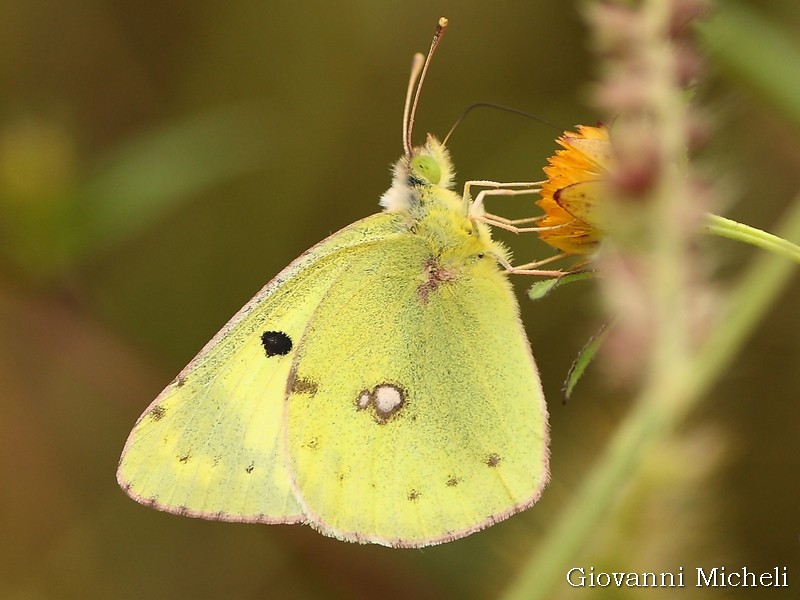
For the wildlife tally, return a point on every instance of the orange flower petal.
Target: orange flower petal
(569, 196)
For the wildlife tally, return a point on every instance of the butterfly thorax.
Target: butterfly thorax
(456, 239)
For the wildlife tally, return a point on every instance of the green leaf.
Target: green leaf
(584, 358)
(543, 288)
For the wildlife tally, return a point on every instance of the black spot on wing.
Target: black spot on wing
(414, 495)
(453, 481)
(184, 458)
(276, 343)
(249, 468)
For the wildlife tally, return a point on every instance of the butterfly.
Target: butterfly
(380, 388)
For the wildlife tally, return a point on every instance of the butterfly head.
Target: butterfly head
(425, 174)
(430, 164)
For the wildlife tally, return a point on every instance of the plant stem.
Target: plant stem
(750, 235)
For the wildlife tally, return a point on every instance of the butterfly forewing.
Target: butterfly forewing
(210, 444)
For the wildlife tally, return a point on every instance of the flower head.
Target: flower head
(569, 197)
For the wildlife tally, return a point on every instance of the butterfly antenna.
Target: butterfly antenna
(416, 68)
(418, 71)
(508, 109)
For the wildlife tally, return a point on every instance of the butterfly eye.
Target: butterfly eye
(427, 168)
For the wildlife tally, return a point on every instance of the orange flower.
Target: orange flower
(569, 196)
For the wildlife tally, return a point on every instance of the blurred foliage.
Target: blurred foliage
(159, 162)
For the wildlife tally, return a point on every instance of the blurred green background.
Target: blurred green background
(159, 162)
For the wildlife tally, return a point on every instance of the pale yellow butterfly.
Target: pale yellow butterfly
(380, 388)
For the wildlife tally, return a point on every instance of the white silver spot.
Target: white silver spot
(387, 399)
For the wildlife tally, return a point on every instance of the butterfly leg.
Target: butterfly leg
(476, 210)
(532, 268)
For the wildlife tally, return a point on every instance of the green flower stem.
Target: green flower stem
(658, 410)
(750, 235)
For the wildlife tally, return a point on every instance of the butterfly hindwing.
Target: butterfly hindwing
(420, 418)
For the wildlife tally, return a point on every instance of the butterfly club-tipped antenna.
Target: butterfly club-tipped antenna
(419, 68)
